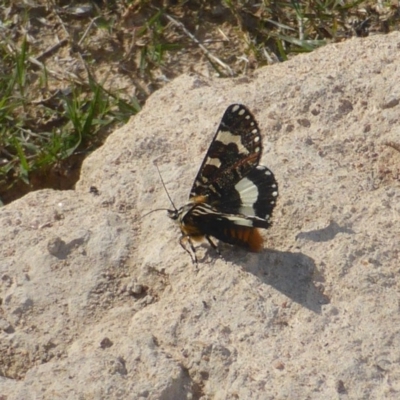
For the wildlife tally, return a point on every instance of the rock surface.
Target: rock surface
(99, 303)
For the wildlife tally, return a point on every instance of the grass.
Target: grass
(59, 100)
(36, 134)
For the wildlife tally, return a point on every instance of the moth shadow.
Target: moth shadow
(293, 274)
(325, 234)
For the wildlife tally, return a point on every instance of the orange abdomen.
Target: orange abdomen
(247, 237)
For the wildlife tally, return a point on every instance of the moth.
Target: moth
(232, 195)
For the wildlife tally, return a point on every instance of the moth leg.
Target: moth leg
(213, 245)
(186, 239)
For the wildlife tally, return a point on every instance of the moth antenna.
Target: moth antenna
(169, 197)
(165, 188)
(157, 209)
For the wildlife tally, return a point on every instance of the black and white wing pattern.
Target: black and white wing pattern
(232, 194)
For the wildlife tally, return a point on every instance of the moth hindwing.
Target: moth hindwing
(232, 194)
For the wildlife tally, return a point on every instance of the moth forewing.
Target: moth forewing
(232, 195)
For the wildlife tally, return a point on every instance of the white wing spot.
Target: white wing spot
(274, 194)
(242, 111)
(240, 220)
(254, 131)
(213, 161)
(257, 139)
(248, 117)
(226, 137)
(234, 109)
(248, 193)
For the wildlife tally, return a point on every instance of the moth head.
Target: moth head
(180, 214)
(173, 214)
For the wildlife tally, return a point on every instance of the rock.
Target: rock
(104, 303)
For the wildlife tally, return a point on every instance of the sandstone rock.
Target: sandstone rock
(315, 315)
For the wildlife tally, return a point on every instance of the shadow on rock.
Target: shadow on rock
(58, 248)
(325, 234)
(293, 274)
